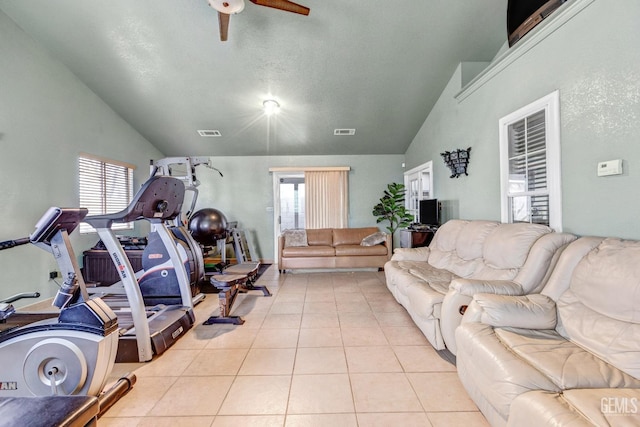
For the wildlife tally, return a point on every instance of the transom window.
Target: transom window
(530, 164)
(106, 186)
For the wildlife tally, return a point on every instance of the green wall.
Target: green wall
(594, 61)
(245, 193)
(47, 117)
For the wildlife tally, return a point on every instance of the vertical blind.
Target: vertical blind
(104, 188)
(326, 199)
(528, 191)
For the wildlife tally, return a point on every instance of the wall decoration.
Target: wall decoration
(457, 161)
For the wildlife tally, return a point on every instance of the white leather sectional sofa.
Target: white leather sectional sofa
(465, 258)
(569, 356)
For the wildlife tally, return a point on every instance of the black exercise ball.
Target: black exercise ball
(208, 225)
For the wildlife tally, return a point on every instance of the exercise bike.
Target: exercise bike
(73, 351)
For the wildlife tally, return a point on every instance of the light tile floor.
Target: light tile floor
(327, 349)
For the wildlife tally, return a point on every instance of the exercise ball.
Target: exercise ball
(208, 225)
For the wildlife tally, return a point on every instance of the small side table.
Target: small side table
(415, 238)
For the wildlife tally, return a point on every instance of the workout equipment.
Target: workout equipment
(71, 353)
(156, 308)
(208, 226)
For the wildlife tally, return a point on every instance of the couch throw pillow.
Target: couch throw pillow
(374, 239)
(297, 237)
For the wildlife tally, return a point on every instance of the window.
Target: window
(530, 164)
(292, 203)
(105, 187)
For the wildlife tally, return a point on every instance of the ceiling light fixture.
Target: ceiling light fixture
(271, 106)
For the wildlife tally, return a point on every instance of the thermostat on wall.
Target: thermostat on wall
(610, 167)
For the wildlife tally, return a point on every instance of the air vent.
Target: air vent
(209, 133)
(344, 131)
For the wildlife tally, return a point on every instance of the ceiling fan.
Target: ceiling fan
(226, 8)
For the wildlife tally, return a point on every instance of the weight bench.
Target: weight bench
(233, 280)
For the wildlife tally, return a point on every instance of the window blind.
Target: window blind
(104, 188)
(528, 190)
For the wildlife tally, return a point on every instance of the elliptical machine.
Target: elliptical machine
(71, 353)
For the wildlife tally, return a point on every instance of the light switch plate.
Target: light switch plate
(610, 167)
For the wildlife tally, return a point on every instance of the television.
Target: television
(524, 15)
(429, 211)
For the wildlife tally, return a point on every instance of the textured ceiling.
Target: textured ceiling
(371, 65)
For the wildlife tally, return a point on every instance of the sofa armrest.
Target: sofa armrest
(460, 295)
(411, 254)
(534, 311)
(388, 243)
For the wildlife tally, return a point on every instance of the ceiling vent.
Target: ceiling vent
(209, 133)
(344, 131)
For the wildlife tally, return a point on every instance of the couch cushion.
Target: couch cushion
(471, 239)
(297, 237)
(374, 239)
(359, 250)
(608, 280)
(320, 237)
(351, 236)
(563, 362)
(601, 309)
(308, 251)
(508, 245)
(457, 246)
(492, 370)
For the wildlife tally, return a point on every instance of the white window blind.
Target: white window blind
(530, 164)
(105, 187)
(528, 192)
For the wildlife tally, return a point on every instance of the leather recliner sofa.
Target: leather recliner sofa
(466, 257)
(569, 356)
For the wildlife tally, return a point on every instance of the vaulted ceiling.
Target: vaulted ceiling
(370, 65)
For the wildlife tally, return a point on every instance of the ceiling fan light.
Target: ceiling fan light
(271, 106)
(229, 7)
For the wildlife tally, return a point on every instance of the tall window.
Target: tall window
(105, 187)
(530, 164)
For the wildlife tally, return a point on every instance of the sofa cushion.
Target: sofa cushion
(320, 237)
(308, 251)
(600, 311)
(563, 362)
(374, 239)
(458, 246)
(509, 244)
(296, 237)
(351, 236)
(359, 250)
(492, 370)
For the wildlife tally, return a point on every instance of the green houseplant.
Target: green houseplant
(391, 208)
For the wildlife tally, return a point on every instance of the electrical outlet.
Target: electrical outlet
(53, 275)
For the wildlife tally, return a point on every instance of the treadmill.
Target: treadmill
(154, 309)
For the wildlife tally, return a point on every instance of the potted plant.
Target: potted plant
(391, 208)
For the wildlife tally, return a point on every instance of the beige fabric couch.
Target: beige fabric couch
(334, 248)
(567, 356)
(464, 258)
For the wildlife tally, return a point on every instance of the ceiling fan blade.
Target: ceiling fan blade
(223, 23)
(285, 5)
